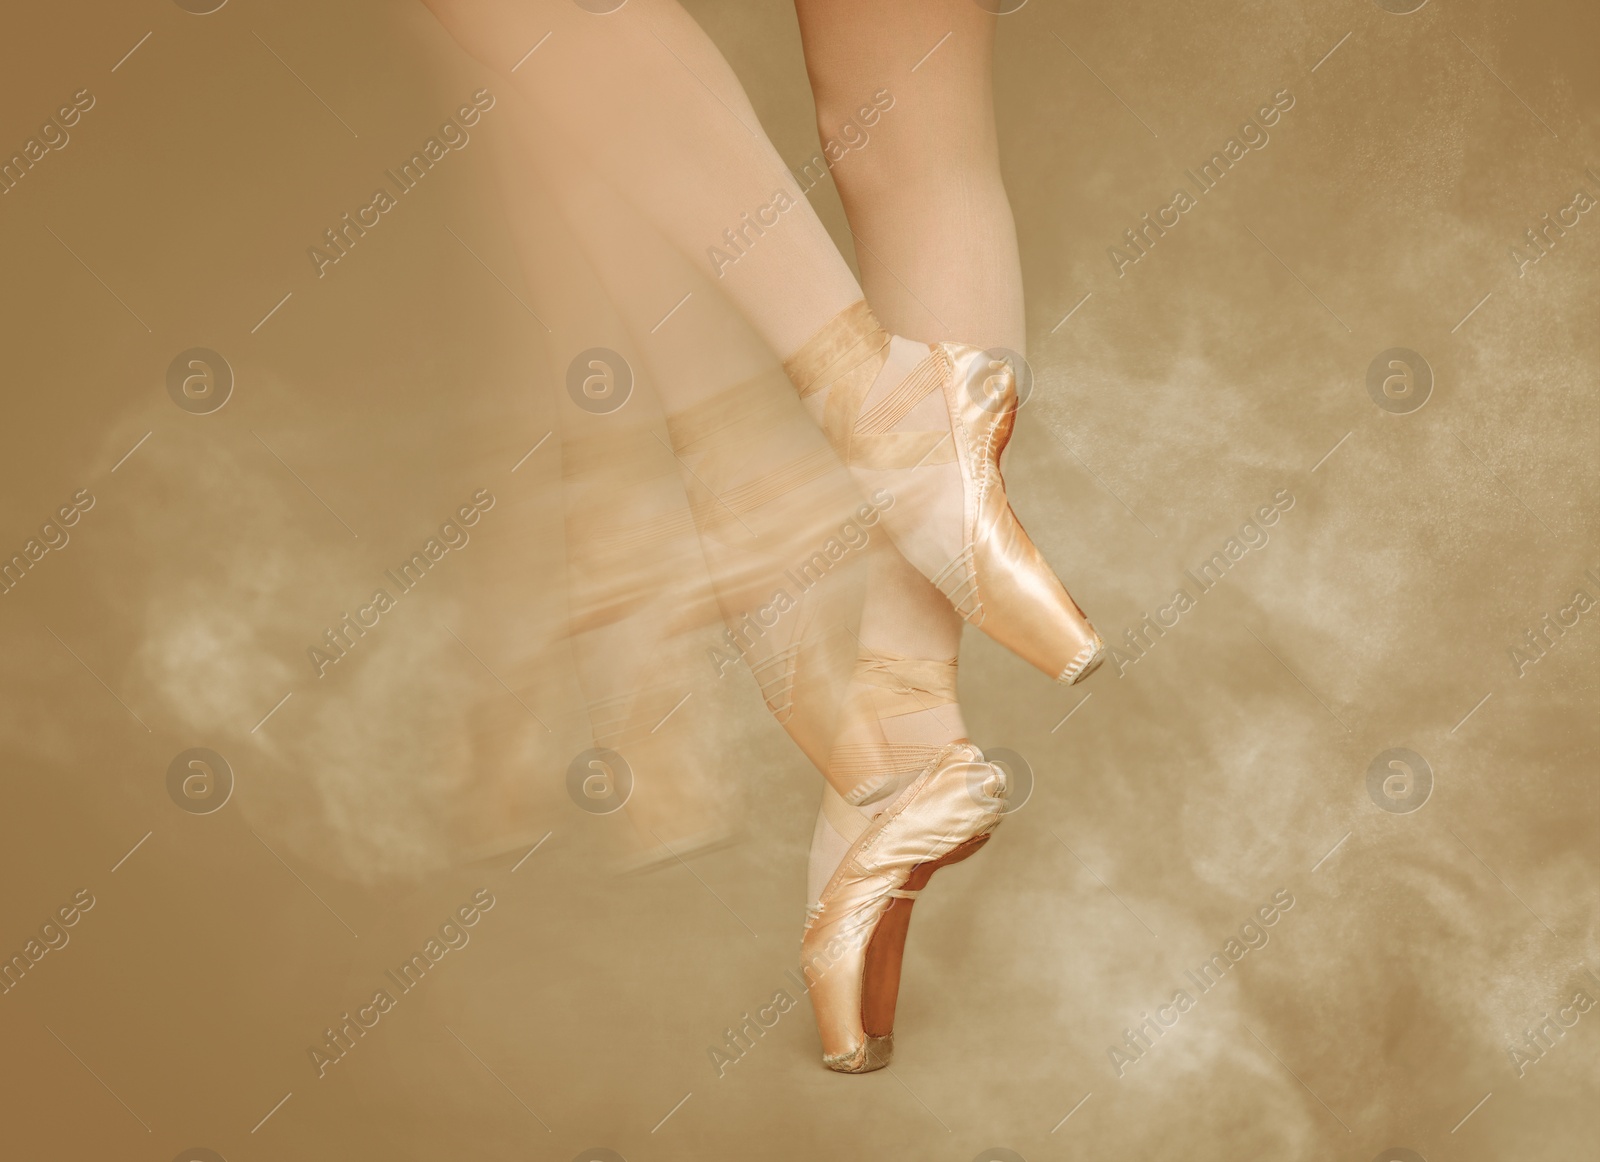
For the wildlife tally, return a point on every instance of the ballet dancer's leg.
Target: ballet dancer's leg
(923, 193)
(923, 197)
(938, 254)
(643, 96)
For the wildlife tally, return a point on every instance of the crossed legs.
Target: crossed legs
(652, 109)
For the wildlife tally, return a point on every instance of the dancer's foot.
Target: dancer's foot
(856, 930)
(927, 423)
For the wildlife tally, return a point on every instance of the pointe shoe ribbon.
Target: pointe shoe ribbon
(863, 761)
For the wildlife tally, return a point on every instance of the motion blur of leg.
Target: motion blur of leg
(646, 100)
(636, 588)
(663, 120)
(920, 426)
(766, 494)
(761, 492)
(767, 499)
(638, 134)
(774, 513)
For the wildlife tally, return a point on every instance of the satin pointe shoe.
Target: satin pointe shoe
(980, 558)
(855, 934)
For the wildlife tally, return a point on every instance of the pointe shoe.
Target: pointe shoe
(997, 580)
(855, 933)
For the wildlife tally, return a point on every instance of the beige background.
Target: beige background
(1228, 763)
